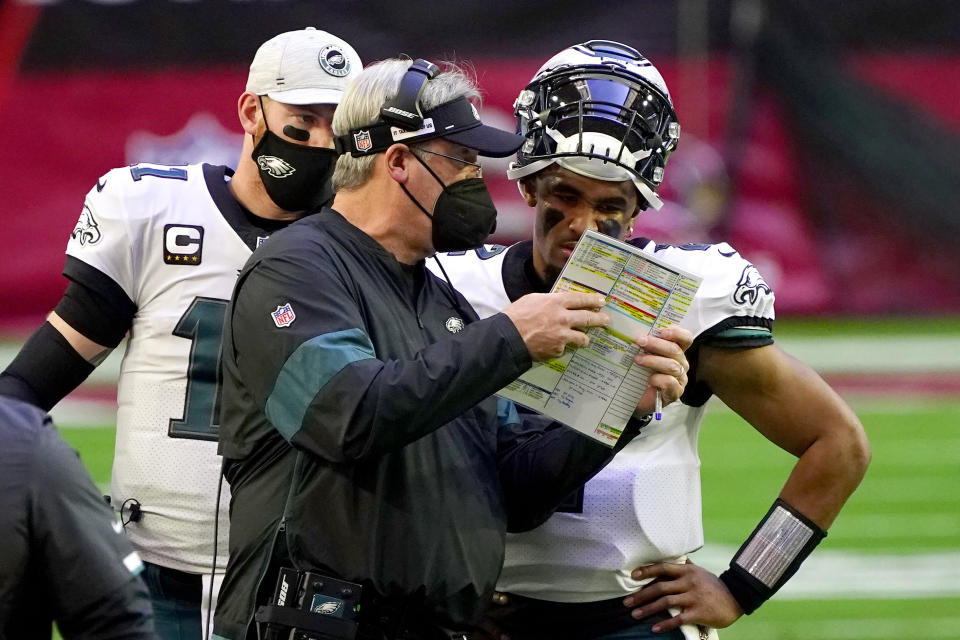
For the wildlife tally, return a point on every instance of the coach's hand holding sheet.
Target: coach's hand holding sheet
(548, 322)
(597, 386)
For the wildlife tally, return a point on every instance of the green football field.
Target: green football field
(890, 566)
(906, 513)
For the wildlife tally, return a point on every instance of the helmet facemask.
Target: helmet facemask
(602, 121)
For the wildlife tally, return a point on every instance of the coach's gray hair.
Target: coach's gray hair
(361, 103)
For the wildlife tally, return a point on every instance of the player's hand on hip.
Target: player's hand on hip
(701, 596)
(665, 357)
(548, 322)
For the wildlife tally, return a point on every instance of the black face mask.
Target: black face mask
(464, 215)
(296, 177)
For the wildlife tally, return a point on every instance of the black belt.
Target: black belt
(379, 618)
(177, 584)
(525, 618)
(400, 618)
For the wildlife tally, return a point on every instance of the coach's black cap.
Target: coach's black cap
(457, 121)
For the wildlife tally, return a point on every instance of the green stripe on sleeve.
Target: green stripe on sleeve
(741, 333)
(307, 371)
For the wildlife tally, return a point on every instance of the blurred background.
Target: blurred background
(821, 139)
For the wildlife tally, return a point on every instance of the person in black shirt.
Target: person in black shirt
(64, 557)
(407, 471)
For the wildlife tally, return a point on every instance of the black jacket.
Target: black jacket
(410, 471)
(62, 555)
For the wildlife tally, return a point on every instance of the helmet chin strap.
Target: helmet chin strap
(648, 194)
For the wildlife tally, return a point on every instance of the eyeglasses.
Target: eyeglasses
(460, 160)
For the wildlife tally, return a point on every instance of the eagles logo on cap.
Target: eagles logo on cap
(333, 61)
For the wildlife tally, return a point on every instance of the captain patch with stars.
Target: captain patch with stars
(182, 244)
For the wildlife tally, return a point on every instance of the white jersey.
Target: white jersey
(644, 507)
(170, 238)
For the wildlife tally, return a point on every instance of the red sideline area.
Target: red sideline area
(68, 129)
(900, 385)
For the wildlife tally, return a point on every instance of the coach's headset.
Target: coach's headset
(403, 119)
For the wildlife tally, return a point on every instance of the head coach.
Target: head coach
(408, 471)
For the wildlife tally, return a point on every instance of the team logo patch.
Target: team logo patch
(334, 61)
(454, 324)
(276, 167)
(327, 607)
(283, 316)
(87, 231)
(362, 141)
(750, 286)
(182, 244)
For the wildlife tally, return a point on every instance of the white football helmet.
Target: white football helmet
(602, 110)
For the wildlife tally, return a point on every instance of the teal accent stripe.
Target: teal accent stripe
(743, 332)
(307, 371)
(507, 412)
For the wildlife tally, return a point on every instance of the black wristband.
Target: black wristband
(46, 369)
(771, 555)
(744, 590)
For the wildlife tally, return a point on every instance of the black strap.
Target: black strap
(446, 119)
(535, 619)
(306, 621)
(404, 109)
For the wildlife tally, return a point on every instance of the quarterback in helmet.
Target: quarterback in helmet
(600, 126)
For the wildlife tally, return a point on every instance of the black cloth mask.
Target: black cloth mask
(296, 177)
(464, 215)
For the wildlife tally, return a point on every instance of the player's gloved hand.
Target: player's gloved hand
(702, 597)
(665, 357)
(548, 322)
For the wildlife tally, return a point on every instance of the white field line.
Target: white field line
(71, 413)
(858, 354)
(828, 574)
(947, 627)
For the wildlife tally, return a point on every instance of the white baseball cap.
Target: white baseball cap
(303, 67)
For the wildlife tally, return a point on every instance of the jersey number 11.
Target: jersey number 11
(202, 324)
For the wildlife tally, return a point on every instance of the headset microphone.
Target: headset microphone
(297, 134)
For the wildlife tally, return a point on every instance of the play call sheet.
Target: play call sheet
(596, 388)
